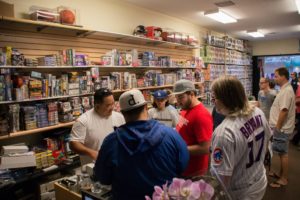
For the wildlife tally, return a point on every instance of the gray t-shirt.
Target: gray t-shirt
(169, 116)
(265, 101)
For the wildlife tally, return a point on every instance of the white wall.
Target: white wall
(110, 15)
(276, 47)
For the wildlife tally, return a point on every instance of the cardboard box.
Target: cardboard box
(18, 161)
(6, 9)
(14, 149)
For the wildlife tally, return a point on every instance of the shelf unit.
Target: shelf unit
(217, 57)
(38, 130)
(101, 67)
(49, 27)
(37, 38)
(68, 124)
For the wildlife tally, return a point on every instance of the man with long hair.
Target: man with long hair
(239, 143)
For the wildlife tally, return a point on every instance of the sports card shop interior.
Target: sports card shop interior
(139, 99)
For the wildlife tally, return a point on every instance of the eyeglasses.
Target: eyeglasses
(262, 82)
(213, 99)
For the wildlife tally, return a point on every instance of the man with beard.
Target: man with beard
(195, 126)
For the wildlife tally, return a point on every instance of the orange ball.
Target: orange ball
(67, 17)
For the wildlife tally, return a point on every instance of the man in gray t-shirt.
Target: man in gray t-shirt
(265, 97)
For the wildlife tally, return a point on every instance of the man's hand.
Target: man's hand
(81, 149)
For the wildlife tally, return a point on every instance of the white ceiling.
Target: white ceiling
(277, 19)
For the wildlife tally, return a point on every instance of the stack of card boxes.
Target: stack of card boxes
(65, 111)
(73, 83)
(50, 60)
(35, 89)
(42, 115)
(17, 58)
(45, 88)
(147, 57)
(31, 62)
(44, 159)
(4, 123)
(8, 52)
(2, 57)
(82, 85)
(76, 107)
(52, 113)
(164, 61)
(86, 103)
(30, 117)
(64, 85)
(2, 88)
(14, 119)
(8, 87)
(53, 85)
(89, 81)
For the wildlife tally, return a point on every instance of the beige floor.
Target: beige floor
(292, 190)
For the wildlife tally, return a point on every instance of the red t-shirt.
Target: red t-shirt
(196, 126)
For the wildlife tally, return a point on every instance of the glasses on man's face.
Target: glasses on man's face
(262, 82)
(213, 99)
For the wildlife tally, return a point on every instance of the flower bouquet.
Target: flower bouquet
(183, 189)
(197, 188)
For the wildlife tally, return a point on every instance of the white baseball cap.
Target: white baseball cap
(131, 99)
(183, 86)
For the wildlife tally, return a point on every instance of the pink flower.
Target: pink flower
(181, 189)
(160, 194)
(174, 188)
(207, 191)
(190, 190)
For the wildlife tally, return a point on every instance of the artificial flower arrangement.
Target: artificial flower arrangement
(181, 189)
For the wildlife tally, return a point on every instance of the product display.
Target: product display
(226, 56)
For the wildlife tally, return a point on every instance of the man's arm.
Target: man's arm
(199, 149)
(282, 117)
(79, 148)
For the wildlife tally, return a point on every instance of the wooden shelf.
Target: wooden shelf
(44, 99)
(238, 64)
(144, 88)
(46, 67)
(211, 63)
(49, 27)
(88, 94)
(115, 68)
(38, 130)
(150, 87)
(42, 23)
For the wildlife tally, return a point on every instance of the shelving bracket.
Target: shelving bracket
(40, 28)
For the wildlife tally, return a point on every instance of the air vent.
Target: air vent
(224, 4)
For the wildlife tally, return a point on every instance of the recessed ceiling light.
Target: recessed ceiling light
(220, 16)
(255, 34)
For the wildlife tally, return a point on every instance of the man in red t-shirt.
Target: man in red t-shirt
(195, 126)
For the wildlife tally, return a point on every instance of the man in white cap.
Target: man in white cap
(140, 154)
(195, 126)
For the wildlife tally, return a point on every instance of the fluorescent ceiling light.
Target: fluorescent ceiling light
(220, 17)
(255, 34)
(298, 5)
